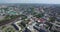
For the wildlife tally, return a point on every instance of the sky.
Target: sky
(31, 1)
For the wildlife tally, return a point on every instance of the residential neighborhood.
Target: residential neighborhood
(29, 18)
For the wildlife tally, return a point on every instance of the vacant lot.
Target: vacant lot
(2, 17)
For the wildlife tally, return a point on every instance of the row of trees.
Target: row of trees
(8, 17)
(9, 29)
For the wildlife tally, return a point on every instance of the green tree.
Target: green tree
(38, 15)
(52, 19)
(23, 17)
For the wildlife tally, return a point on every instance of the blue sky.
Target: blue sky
(31, 1)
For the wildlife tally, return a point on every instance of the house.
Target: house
(26, 30)
(17, 27)
(2, 12)
(41, 20)
(39, 29)
(12, 13)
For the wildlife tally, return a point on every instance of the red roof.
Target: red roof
(41, 20)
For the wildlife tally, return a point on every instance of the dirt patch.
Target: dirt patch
(2, 17)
